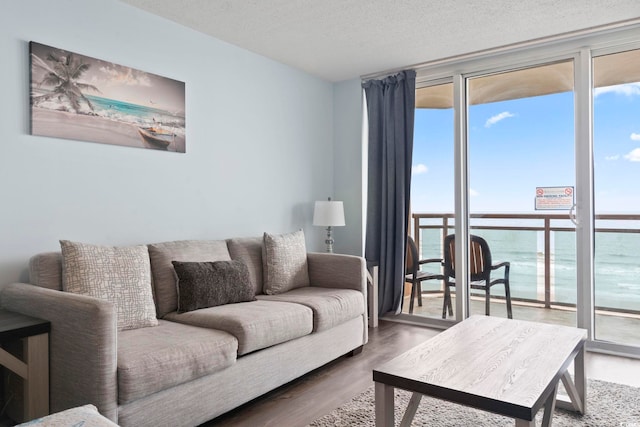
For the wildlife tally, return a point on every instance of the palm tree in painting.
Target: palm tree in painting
(63, 75)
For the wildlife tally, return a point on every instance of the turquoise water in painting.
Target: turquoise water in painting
(139, 115)
(617, 265)
(121, 111)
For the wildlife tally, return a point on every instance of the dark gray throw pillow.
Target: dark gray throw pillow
(208, 284)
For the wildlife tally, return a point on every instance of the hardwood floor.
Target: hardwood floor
(318, 393)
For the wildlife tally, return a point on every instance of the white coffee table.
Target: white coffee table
(509, 367)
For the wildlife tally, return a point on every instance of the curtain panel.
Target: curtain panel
(391, 110)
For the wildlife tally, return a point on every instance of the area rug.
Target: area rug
(608, 405)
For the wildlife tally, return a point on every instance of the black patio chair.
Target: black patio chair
(415, 275)
(480, 266)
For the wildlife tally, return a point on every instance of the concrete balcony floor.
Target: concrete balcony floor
(619, 328)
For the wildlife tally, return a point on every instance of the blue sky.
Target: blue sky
(518, 145)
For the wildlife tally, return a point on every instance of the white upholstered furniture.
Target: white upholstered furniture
(196, 365)
(81, 416)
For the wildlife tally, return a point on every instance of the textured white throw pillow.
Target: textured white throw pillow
(284, 259)
(121, 275)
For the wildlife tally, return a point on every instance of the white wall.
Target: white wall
(259, 141)
(347, 159)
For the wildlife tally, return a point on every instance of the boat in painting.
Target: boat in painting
(156, 136)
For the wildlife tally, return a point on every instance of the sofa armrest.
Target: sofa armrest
(340, 271)
(82, 344)
(337, 271)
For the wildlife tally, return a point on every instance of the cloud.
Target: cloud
(614, 157)
(419, 169)
(473, 193)
(633, 156)
(495, 119)
(126, 76)
(628, 89)
(635, 137)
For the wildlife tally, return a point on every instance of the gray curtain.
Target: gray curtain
(391, 108)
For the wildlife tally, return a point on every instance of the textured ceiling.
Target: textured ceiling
(343, 39)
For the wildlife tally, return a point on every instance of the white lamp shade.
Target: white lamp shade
(328, 213)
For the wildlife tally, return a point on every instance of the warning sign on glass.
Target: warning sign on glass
(554, 198)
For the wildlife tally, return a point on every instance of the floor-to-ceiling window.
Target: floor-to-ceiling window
(433, 188)
(531, 156)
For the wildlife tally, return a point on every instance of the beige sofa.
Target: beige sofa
(196, 365)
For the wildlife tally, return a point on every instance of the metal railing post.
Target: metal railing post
(547, 262)
(416, 232)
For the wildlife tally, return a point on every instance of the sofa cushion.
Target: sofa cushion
(249, 251)
(284, 258)
(154, 359)
(256, 325)
(164, 279)
(121, 275)
(331, 307)
(208, 284)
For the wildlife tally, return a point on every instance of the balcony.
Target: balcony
(541, 249)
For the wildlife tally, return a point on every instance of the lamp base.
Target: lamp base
(329, 240)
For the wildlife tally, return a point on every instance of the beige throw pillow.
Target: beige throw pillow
(121, 275)
(284, 258)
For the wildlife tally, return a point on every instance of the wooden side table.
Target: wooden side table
(34, 368)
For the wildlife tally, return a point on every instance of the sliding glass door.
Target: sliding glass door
(521, 186)
(616, 140)
(541, 159)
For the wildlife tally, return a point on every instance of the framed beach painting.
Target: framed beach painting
(83, 98)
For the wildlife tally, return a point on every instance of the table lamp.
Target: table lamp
(328, 214)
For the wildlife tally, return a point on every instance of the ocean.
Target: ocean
(138, 115)
(120, 111)
(617, 265)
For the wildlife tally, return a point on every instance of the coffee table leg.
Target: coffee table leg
(576, 388)
(384, 405)
(410, 412)
(549, 407)
(581, 379)
(576, 397)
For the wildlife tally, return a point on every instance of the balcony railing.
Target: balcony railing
(546, 224)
